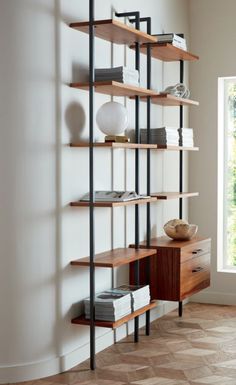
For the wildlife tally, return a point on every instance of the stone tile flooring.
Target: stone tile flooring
(197, 349)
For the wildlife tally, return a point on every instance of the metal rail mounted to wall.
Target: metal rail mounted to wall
(136, 16)
(181, 160)
(91, 184)
(148, 218)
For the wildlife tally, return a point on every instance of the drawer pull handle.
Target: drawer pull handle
(197, 269)
(197, 251)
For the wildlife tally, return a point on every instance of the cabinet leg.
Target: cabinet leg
(148, 323)
(136, 327)
(180, 308)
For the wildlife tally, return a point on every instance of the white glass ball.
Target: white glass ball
(112, 118)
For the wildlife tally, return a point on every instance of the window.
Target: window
(227, 173)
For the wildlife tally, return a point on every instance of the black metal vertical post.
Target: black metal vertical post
(181, 171)
(91, 183)
(136, 15)
(148, 217)
(137, 139)
(149, 76)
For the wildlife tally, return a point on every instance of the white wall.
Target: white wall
(213, 38)
(40, 175)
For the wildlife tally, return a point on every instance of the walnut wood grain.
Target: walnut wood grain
(116, 257)
(176, 148)
(171, 275)
(168, 52)
(115, 145)
(115, 32)
(113, 325)
(170, 100)
(116, 89)
(173, 195)
(114, 204)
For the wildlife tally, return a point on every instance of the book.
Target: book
(114, 196)
(140, 294)
(109, 305)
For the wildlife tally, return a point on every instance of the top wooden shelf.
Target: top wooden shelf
(116, 32)
(168, 52)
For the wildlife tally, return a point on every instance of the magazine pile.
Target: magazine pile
(114, 304)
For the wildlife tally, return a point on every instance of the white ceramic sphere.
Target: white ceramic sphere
(112, 118)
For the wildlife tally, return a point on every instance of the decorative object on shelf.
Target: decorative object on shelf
(116, 139)
(180, 229)
(112, 119)
(119, 74)
(114, 196)
(172, 38)
(179, 90)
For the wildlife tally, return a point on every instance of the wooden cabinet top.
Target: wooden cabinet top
(167, 242)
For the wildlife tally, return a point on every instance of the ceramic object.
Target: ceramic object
(179, 229)
(112, 118)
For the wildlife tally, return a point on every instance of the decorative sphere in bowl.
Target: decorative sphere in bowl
(179, 229)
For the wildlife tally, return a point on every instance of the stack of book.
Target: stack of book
(173, 39)
(186, 137)
(140, 295)
(119, 74)
(165, 136)
(109, 305)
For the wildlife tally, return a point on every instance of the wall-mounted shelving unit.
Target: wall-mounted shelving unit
(119, 33)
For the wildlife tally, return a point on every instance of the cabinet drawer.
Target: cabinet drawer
(194, 275)
(195, 250)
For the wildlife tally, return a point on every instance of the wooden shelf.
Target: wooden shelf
(116, 89)
(113, 325)
(176, 148)
(114, 204)
(116, 257)
(115, 32)
(168, 52)
(173, 195)
(170, 100)
(116, 145)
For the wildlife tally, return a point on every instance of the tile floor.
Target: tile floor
(197, 349)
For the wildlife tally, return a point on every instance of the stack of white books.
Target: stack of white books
(109, 305)
(186, 137)
(166, 136)
(173, 39)
(140, 295)
(119, 74)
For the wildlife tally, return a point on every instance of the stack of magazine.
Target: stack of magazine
(110, 305)
(114, 196)
(165, 136)
(140, 295)
(173, 39)
(186, 137)
(119, 74)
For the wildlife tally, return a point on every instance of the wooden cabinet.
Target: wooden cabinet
(179, 268)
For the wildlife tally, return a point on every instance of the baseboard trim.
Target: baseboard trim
(216, 298)
(32, 371)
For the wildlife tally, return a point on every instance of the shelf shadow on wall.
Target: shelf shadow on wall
(75, 121)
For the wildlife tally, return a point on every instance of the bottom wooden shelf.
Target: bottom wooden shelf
(113, 325)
